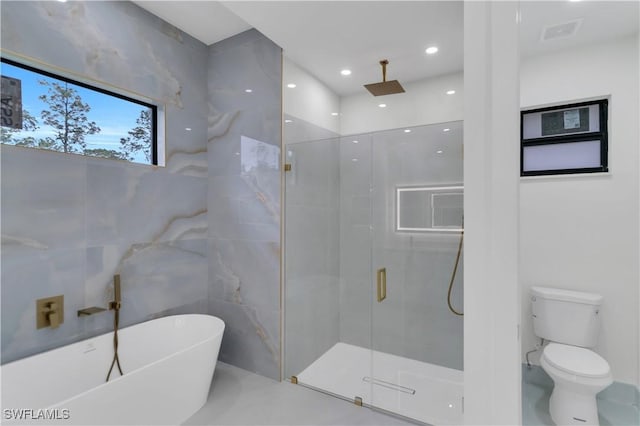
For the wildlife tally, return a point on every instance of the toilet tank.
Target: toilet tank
(566, 316)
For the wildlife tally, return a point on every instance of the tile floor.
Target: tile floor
(536, 390)
(238, 397)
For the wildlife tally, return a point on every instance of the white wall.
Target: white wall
(310, 100)
(581, 232)
(424, 102)
(492, 371)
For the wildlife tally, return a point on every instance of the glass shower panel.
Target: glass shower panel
(372, 228)
(328, 265)
(312, 291)
(416, 222)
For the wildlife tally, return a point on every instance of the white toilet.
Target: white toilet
(570, 321)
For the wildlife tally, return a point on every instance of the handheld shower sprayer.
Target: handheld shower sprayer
(117, 298)
(115, 306)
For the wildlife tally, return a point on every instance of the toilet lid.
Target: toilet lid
(575, 360)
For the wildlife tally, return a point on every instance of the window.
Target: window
(47, 111)
(564, 139)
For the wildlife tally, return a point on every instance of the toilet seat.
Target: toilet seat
(576, 360)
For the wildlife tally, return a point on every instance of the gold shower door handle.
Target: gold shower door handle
(381, 279)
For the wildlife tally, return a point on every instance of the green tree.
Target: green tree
(106, 153)
(67, 115)
(139, 139)
(12, 136)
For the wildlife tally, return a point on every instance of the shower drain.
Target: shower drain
(388, 385)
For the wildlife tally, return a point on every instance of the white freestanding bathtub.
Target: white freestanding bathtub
(168, 365)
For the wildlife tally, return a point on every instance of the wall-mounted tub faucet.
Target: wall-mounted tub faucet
(90, 311)
(113, 305)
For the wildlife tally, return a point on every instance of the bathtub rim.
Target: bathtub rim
(219, 332)
(146, 366)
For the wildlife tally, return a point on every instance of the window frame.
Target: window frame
(601, 135)
(152, 107)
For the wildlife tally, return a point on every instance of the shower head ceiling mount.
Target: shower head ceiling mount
(385, 87)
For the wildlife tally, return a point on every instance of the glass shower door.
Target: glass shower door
(328, 265)
(416, 218)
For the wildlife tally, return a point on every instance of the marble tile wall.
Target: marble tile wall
(244, 139)
(70, 222)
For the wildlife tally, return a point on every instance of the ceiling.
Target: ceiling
(600, 21)
(207, 21)
(325, 37)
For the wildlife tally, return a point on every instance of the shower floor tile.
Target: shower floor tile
(425, 392)
(239, 397)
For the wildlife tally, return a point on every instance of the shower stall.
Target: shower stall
(373, 228)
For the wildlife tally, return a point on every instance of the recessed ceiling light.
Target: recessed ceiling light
(237, 153)
(382, 105)
(407, 130)
(248, 90)
(355, 141)
(439, 151)
(188, 129)
(446, 130)
(345, 72)
(334, 113)
(291, 86)
(450, 92)
(574, 1)
(288, 121)
(354, 160)
(62, 1)
(431, 50)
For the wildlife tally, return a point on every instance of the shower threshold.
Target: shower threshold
(425, 392)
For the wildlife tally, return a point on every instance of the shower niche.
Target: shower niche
(429, 208)
(368, 216)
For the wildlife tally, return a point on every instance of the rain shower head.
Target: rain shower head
(385, 87)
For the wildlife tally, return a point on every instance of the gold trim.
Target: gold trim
(381, 281)
(294, 380)
(358, 401)
(282, 218)
(287, 167)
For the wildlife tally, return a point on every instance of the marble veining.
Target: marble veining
(244, 199)
(201, 234)
(220, 123)
(69, 222)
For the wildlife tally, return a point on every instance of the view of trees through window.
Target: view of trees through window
(62, 116)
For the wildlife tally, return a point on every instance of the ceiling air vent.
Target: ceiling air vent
(560, 31)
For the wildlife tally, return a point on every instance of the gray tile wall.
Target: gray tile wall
(244, 139)
(70, 222)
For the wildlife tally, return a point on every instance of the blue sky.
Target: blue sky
(114, 116)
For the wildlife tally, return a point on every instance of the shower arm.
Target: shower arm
(384, 64)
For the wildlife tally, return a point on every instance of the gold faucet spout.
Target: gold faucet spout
(90, 311)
